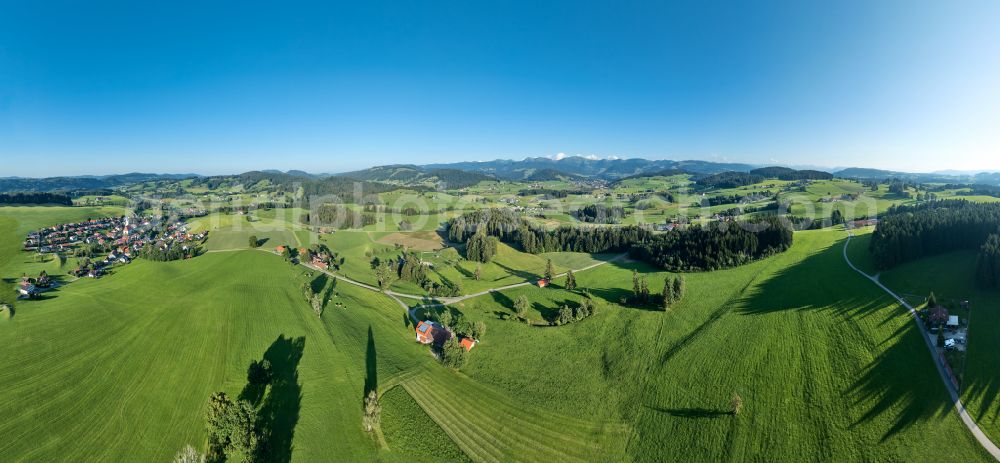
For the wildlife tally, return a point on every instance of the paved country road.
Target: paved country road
(938, 362)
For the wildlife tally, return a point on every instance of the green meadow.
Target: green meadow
(121, 368)
(951, 276)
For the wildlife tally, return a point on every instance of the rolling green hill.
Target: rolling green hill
(121, 368)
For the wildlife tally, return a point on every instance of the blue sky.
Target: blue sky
(216, 87)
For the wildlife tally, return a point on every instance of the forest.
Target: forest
(600, 213)
(694, 248)
(35, 198)
(988, 263)
(907, 233)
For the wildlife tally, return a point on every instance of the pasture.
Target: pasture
(951, 276)
(828, 366)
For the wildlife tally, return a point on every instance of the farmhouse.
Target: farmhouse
(429, 332)
(468, 343)
(26, 289)
(938, 315)
(542, 283)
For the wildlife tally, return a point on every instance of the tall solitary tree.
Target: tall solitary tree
(521, 306)
(479, 271)
(570, 280)
(678, 288)
(635, 284)
(253, 241)
(644, 289)
(668, 294)
(384, 273)
(548, 270)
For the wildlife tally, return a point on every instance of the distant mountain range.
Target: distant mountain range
(412, 175)
(463, 174)
(84, 182)
(609, 169)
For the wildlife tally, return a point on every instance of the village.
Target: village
(101, 243)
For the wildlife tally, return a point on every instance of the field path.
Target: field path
(938, 362)
(448, 300)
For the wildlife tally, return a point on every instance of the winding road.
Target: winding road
(978, 433)
(446, 300)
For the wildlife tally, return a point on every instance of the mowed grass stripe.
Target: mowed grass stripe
(533, 437)
(479, 447)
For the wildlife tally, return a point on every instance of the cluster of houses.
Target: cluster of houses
(122, 236)
(433, 333)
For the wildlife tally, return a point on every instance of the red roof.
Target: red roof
(542, 283)
(429, 332)
(468, 343)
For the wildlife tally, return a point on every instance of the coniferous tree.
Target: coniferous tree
(521, 305)
(570, 280)
(668, 294)
(636, 290)
(548, 269)
(678, 288)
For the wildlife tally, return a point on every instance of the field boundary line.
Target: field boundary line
(970, 423)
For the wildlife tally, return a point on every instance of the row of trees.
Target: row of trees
(340, 216)
(168, 252)
(35, 198)
(907, 233)
(673, 290)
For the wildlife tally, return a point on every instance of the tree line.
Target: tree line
(35, 198)
(988, 262)
(911, 232)
(693, 248)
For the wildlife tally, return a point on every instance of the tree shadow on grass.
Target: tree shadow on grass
(526, 275)
(371, 365)
(823, 283)
(317, 284)
(504, 300)
(617, 295)
(279, 403)
(465, 273)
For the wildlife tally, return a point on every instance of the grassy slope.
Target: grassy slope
(16, 222)
(829, 367)
(952, 278)
(401, 417)
(821, 380)
(110, 373)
